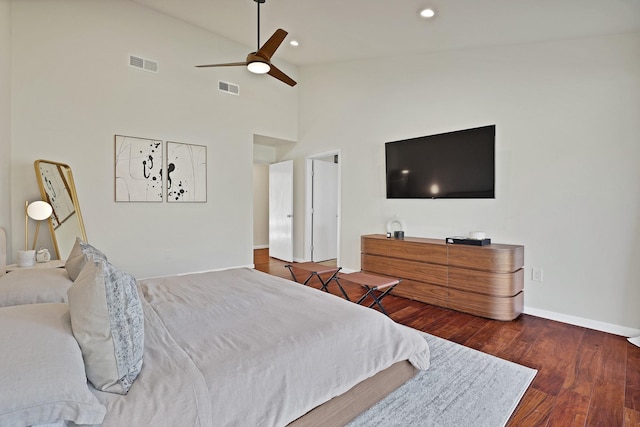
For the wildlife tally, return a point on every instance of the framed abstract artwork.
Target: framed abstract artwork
(186, 172)
(138, 169)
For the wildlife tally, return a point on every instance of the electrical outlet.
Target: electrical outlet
(536, 274)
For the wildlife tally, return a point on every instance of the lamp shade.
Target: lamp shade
(39, 210)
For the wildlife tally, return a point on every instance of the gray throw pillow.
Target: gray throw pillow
(108, 323)
(79, 255)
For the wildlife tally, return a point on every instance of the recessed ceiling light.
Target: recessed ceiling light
(427, 13)
(294, 43)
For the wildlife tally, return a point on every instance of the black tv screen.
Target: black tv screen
(452, 165)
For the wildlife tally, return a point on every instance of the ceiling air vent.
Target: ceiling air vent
(228, 87)
(143, 63)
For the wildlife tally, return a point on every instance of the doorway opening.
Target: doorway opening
(267, 152)
(322, 207)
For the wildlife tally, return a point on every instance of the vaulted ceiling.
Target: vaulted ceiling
(340, 30)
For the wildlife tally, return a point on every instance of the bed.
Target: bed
(232, 347)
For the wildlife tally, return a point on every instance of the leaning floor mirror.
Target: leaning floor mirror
(57, 187)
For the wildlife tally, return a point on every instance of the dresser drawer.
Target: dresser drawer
(498, 308)
(484, 282)
(431, 253)
(420, 291)
(497, 258)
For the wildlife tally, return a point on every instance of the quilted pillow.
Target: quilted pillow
(79, 255)
(43, 376)
(108, 323)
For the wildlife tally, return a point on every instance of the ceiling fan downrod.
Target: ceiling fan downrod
(259, 2)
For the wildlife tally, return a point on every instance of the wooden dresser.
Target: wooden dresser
(486, 281)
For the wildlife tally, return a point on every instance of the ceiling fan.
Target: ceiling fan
(259, 62)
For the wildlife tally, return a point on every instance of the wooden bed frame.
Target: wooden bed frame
(341, 409)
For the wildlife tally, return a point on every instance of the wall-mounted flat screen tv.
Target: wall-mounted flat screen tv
(452, 165)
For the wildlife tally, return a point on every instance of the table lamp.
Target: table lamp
(37, 211)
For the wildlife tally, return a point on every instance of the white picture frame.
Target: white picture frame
(138, 169)
(186, 173)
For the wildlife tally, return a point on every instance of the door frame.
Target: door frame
(308, 199)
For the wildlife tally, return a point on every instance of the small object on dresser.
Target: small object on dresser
(388, 234)
(477, 235)
(461, 240)
(398, 234)
(43, 255)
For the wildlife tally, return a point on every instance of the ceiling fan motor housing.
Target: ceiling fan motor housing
(257, 64)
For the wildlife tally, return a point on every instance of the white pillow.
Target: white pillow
(79, 255)
(43, 377)
(108, 323)
(34, 285)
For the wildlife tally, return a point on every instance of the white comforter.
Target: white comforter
(243, 348)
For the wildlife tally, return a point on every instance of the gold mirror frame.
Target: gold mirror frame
(57, 187)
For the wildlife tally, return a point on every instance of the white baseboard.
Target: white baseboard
(585, 323)
(635, 341)
(261, 247)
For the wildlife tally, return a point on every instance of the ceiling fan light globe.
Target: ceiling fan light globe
(258, 67)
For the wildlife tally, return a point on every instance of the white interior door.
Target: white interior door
(281, 210)
(324, 211)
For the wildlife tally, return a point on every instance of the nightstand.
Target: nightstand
(57, 263)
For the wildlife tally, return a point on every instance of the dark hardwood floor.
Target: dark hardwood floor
(585, 377)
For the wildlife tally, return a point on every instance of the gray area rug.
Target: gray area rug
(463, 387)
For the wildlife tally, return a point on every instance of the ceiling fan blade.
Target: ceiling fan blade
(228, 64)
(269, 48)
(275, 72)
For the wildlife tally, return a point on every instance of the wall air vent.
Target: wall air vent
(228, 87)
(143, 63)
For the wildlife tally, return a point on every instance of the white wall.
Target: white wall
(567, 143)
(73, 90)
(260, 206)
(567, 158)
(264, 154)
(5, 116)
